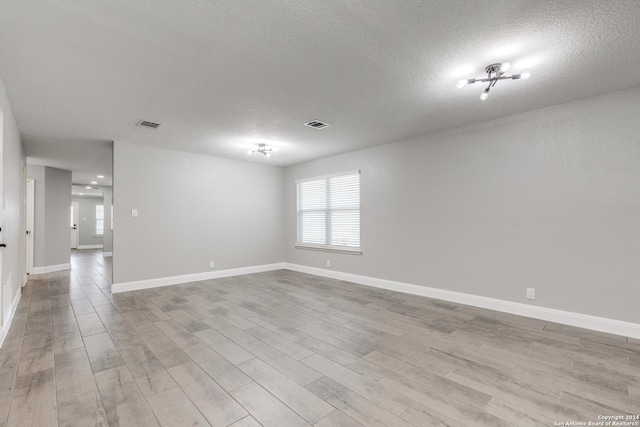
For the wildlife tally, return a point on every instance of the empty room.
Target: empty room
(331, 213)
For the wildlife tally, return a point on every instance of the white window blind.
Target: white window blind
(329, 212)
(99, 220)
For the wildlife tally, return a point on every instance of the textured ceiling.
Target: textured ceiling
(222, 75)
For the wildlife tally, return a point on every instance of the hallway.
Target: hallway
(44, 325)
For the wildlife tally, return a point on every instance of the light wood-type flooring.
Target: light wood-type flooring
(289, 349)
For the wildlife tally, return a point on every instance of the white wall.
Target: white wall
(192, 209)
(12, 156)
(548, 199)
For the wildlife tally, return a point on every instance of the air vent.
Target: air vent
(148, 124)
(316, 124)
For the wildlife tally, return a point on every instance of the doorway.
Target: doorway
(75, 211)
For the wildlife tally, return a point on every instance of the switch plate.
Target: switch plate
(212, 264)
(134, 213)
(328, 263)
(531, 293)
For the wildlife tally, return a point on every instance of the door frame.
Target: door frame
(30, 229)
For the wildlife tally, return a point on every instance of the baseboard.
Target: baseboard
(89, 247)
(602, 324)
(4, 330)
(107, 254)
(196, 277)
(50, 268)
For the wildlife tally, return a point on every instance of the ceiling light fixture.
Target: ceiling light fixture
(494, 72)
(100, 176)
(94, 182)
(262, 149)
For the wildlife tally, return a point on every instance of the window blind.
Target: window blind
(329, 212)
(99, 219)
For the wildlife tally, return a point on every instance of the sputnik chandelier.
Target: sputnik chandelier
(262, 149)
(494, 72)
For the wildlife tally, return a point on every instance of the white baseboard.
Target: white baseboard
(602, 324)
(50, 268)
(89, 247)
(107, 254)
(4, 329)
(196, 277)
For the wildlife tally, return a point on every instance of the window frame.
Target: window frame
(99, 219)
(327, 247)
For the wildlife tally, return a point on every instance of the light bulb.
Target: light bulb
(525, 75)
(505, 67)
(462, 83)
(484, 95)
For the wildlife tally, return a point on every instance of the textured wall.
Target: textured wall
(548, 199)
(192, 209)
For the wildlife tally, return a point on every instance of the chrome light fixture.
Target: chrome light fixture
(262, 149)
(494, 72)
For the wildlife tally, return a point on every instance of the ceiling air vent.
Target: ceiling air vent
(316, 124)
(148, 124)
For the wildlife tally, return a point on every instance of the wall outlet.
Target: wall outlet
(328, 263)
(212, 264)
(531, 293)
(134, 213)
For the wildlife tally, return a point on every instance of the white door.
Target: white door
(4, 311)
(30, 215)
(75, 207)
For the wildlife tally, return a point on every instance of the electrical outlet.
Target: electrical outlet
(328, 263)
(134, 213)
(212, 264)
(531, 293)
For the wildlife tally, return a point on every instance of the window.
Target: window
(329, 213)
(99, 220)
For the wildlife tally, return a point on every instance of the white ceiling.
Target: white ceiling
(83, 191)
(222, 75)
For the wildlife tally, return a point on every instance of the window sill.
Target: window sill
(335, 249)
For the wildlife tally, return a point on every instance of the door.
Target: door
(29, 225)
(4, 311)
(75, 207)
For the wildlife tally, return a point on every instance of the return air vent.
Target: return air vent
(148, 124)
(316, 124)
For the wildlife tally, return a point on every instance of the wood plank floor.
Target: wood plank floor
(289, 349)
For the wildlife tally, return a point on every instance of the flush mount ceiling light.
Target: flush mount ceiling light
(494, 72)
(262, 149)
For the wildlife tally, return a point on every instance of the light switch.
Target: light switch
(134, 213)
